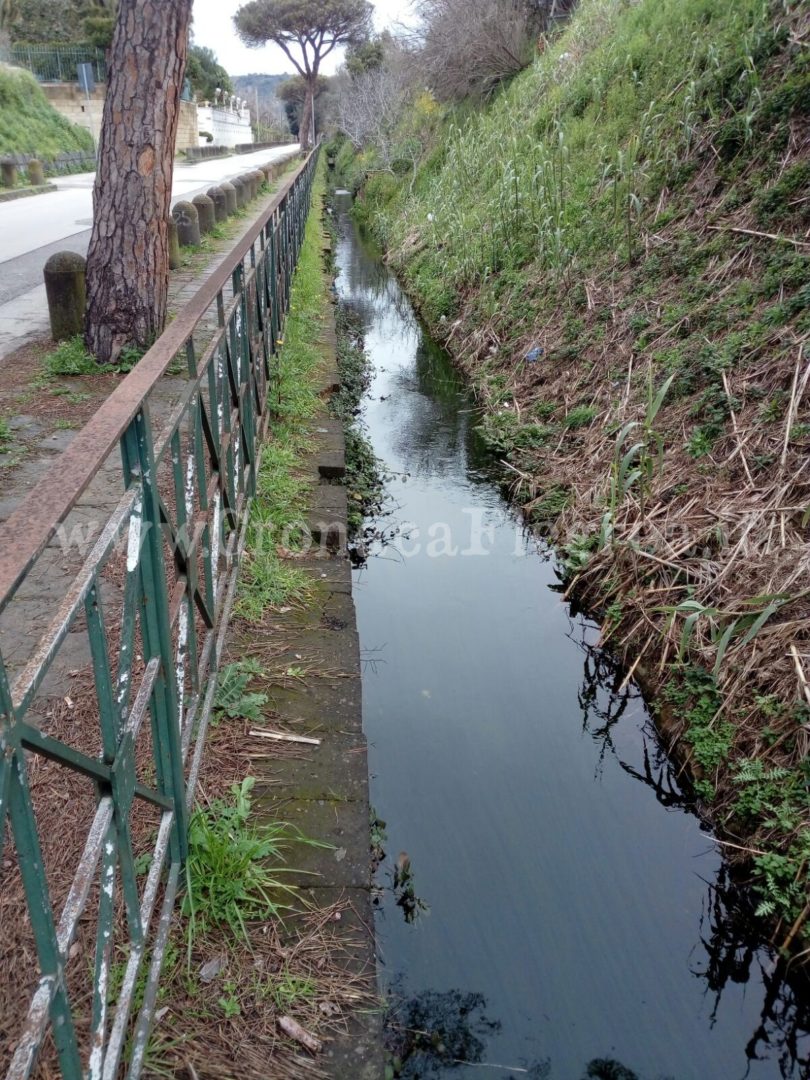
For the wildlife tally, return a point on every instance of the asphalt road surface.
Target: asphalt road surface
(32, 229)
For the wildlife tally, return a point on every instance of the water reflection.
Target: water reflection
(603, 700)
(434, 1034)
(730, 954)
(730, 951)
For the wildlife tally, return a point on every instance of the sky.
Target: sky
(213, 27)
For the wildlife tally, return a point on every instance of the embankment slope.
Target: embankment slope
(28, 122)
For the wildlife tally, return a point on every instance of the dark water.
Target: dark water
(580, 922)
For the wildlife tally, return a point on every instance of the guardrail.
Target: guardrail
(175, 537)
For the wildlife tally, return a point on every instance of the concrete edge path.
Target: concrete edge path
(325, 791)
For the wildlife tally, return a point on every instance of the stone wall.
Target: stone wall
(72, 103)
(230, 127)
(188, 129)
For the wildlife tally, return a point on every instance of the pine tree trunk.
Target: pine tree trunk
(128, 259)
(305, 123)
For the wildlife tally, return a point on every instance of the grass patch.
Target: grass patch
(28, 122)
(564, 161)
(228, 880)
(277, 515)
(580, 416)
(548, 507)
(5, 432)
(70, 358)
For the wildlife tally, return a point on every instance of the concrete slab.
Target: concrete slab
(56, 442)
(335, 571)
(28, 425)
(328, 517)
(340, 759)
(360, 1054)
(355, 915)
(324, 707)
(331, 456)
(342, 825)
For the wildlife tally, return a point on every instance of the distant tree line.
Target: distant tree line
(387, 95)
(262, 93)
(466, 48)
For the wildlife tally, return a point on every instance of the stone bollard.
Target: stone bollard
(241, 193)
(249, 180)
(36, 173)
(174, 246)
(205, 212)
(66, 291)
(230, 196)
(188, 223)
(8, 171)
(260, 179)
(217, 197)
(269, 173)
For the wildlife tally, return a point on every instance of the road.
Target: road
(32, 229)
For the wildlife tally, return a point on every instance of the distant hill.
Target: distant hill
(266, 85)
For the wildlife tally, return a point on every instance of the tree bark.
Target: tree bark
(128, 258)
(305, 123)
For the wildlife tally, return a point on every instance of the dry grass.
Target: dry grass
(308, 972)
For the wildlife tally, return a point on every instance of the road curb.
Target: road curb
(25, 192)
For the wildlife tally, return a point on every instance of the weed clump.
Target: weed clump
(28, 122)
(229, 881)
(70, 358)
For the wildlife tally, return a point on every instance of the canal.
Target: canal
(557, 911)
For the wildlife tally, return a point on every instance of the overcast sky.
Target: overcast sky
(213, 26)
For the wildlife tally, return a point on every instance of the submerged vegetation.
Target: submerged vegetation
(615, 250)
(364, 476)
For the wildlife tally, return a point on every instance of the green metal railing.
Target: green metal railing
(58, 63)
(176, 537)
